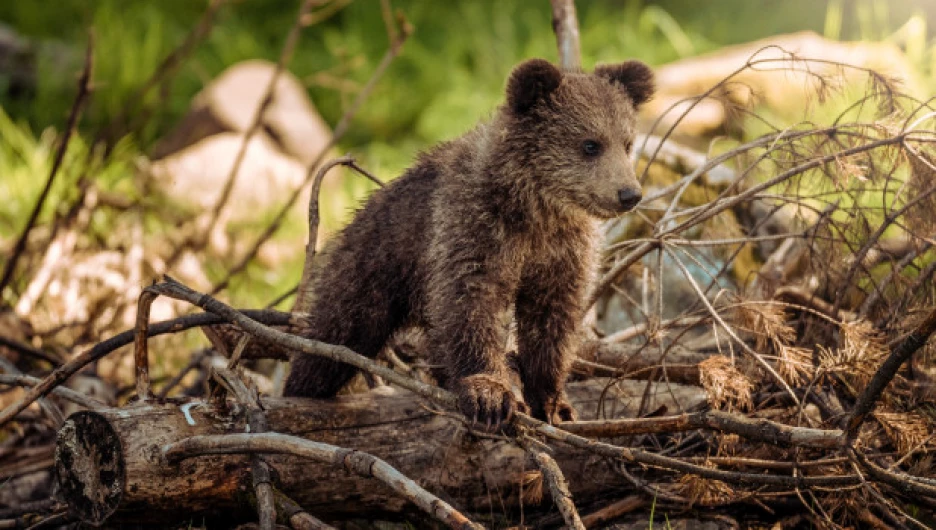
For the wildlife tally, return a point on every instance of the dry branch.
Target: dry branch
(883, 376)
(65, 393)
(289, 46)
(256, 424)
(678, 465)
(296, 516)
(304, 291)
(178, 291)
(558, 486)
(163, 73)
(26, 349)
(99, 350)
(396, 46)
(752, 429)
(352, 460)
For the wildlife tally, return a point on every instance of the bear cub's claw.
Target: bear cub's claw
(553, 409)
(487, 400)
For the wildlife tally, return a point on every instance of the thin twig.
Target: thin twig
(140, 348)
(169, 65)
(84, 89)
(26, 349)
(298, 518)
(174, 289)
(728, 329)
(289, 47)
(305, 287)
(105, 347)
(613, 511)
(337, 134)
(906, 484)
(257, 422)
(304, 294)
(65, 393)
(51, 410)
(674, 464)
(753, 429)
(872, 240)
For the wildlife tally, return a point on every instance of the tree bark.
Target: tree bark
(110, 467)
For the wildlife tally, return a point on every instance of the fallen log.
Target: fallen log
(110, 465)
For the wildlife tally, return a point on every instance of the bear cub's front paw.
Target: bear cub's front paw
(487, 399)
(552, 409)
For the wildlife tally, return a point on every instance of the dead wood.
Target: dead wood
(110, 465)
(558, 486)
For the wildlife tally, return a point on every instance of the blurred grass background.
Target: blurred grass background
(450, 74)
(453, 67)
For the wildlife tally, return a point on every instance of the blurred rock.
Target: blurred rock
(230, 102)
(194, 162)
(198, 173)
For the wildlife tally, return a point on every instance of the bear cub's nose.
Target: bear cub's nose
(629, 198)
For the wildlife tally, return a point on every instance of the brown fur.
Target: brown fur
(500, 223)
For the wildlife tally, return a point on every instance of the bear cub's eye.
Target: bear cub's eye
(591, 148)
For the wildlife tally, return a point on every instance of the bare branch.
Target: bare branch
(354, 461)
(558, 486)
(65, 393)
(289, 46)
(565, 26)
(256, 421)
(103, 348)
(752, 429)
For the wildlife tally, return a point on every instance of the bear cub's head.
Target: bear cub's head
(577, 130)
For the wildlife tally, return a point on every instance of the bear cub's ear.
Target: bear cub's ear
(531, 81)
(635, 78)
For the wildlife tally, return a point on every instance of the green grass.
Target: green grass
(25, 163)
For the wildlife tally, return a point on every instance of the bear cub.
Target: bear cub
(500, 224)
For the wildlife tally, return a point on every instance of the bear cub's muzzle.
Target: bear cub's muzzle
(629, 198)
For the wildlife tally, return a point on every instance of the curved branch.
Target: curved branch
(101, 349)
(357, 462)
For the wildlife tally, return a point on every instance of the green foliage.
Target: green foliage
(452, 70)
(25, 163)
